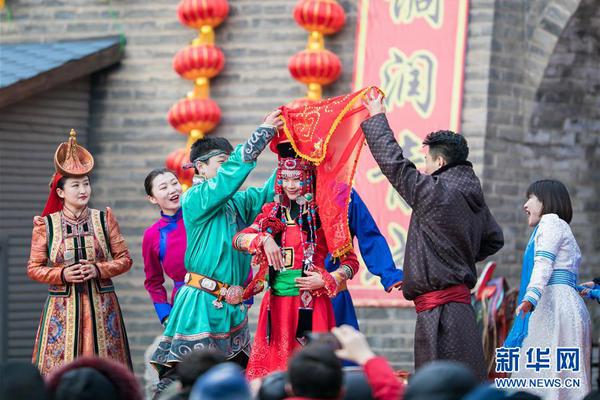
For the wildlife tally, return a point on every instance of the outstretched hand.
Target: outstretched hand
(373, 102)
(273, 119)
(354, 346)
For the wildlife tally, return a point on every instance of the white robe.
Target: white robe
(560, 317)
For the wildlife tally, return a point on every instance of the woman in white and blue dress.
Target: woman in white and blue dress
(551, 313)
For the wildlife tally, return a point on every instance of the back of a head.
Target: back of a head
(486, 392)
(356, 385)
(441, 380)
(595, 395)
(316, 372)
(21, 381)
(207, 144)
(195, 364)
(85, 384)
(529, 396)
(223, 382)
(451, 146)
(95, 372)
(272, 387)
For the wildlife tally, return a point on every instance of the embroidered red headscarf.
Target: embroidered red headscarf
(54, 203)
(328, 134)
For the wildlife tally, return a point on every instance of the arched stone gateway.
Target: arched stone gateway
(543, 120)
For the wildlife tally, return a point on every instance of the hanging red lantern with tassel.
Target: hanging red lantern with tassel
(316, 66)
(199, 13)
(324, 16)
(197, 114)
(203, 61)
(194, 114)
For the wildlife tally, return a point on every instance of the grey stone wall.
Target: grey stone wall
(519, 55)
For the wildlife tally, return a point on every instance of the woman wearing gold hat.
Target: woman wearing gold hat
(77, 250)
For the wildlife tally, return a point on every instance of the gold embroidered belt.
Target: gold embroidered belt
(231, 294)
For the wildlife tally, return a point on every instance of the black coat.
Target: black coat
(451, 227)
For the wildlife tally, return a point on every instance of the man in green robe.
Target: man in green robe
(206, 312)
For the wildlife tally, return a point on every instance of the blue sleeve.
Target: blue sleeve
(162, 310)
(373, 247)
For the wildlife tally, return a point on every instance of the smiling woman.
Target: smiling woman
(551, 314)
(288, 243)
(164, 243)
(76, 251)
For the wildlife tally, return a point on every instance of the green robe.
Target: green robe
(210, 215)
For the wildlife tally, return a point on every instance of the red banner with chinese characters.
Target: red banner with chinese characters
(414, 51)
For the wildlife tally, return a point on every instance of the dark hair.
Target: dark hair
(207, 144)
(148, 182)
(316, 372)
(61, 182)
(554, 197)
(195, 364)
(451, 146)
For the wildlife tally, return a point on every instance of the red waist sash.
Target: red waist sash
(453, 294)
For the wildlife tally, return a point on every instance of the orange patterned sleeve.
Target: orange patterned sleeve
(121, 260)
(37, 267)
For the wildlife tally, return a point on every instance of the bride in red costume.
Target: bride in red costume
(288, 243)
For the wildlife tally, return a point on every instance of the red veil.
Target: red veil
(328, 134)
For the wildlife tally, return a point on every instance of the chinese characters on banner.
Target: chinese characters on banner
(414, 51)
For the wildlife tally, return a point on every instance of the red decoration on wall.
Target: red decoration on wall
(199, 13)
(317, 66)
(194, 114)
(197, 114)
(324, 16)
(321, 67)
(203, 61)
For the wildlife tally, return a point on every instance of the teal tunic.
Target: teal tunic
(210, 213)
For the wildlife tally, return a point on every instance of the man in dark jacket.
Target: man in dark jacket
(451, 229)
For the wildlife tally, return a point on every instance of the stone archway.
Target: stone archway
(564, 130)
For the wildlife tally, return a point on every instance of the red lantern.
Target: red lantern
(175, 162)
(315, 66)
(203, 61)
(197, 13)
(325, 16)
(194, 114)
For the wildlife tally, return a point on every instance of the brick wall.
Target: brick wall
(509, 46)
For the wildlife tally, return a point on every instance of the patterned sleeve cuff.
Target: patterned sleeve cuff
(546, 254)
(331, 284)
(162, 310)
(532, 295)
(249, 242)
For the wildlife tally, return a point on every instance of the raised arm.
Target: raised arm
(414, 187)
(373, 246)
(201, 201)
(121, 260)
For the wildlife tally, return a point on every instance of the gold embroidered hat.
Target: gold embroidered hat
(71, 159)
